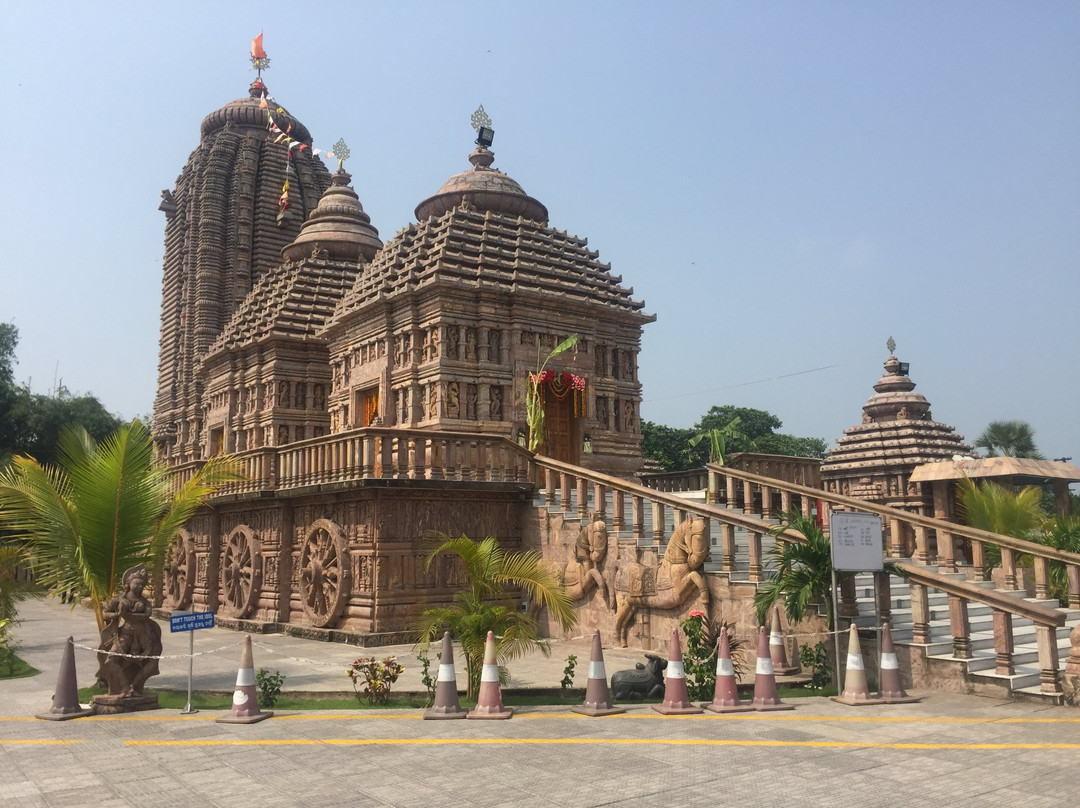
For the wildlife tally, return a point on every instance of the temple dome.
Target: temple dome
(338, 227)
(482, 188)
(895, 398)
(249, 112)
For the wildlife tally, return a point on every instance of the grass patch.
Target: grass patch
(17, 669)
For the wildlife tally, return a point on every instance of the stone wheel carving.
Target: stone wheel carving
(325, 573)
(179, 572)
(241, 572)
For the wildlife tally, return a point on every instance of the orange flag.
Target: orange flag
(257, 51)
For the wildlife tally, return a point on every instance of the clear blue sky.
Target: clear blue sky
(785, 185)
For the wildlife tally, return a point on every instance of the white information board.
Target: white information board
(856, 541)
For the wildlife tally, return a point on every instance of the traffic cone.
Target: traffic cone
(676, 699)
(765, 695)
(245, 709)
(777, 652)
(726, 692)
(446, 698)
(66, 698)
(856, 693)
(597, 697)
(892, 691)
(489, 699)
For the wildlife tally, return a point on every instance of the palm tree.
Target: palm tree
(1009, 438)
(486, 605)
(1062, 533)
(802, 570)
(991, 507)
(105, 508)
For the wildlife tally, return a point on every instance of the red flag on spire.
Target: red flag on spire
(257, 51)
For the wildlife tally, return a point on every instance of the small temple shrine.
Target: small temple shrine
(874, 460)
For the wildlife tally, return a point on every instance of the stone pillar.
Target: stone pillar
(960, 627)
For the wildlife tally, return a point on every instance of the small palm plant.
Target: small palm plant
(801, 570)
(105, 508)
(988, 506)
(486, 603)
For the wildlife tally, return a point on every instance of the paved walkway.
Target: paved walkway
(948, 750)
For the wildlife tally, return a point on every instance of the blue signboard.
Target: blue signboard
(189, 621)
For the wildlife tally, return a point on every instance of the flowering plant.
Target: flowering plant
(377, 674)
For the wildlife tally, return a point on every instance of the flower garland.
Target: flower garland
(561, 384)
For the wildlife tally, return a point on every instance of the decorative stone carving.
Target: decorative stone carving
(179, 571)
(494, 345)
(495, 395)
(325, 573)
(470, 344)
(453, 405)
(582, 574)
(669, 585)
(645, 681)
(241, 572)
(470, 401)
(129, 630)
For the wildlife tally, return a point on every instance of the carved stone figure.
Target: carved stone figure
(300, 399)
(320, 397)
(494, 345)
(628, 417)
(495, 402)
(433, 401)
(669, 585)
(645, 681)
(470, 343)
(129, 630)
(600, 358)
(582, 572)
(453, 404)
(452, 342)
(603, 414)
(470, 402)
(283, 394)
(627, 365)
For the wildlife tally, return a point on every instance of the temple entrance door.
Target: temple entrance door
(561, 441)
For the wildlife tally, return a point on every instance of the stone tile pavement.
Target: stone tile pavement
(948, 750)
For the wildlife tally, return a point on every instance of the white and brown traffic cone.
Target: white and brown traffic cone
(66, 698)
(892, 690)
(597, 695)
(489, 698)
(765, 694)
(726, 691)
(856, 692)
(446, 696)
(781, 666)
(245, 709)
(676, 698)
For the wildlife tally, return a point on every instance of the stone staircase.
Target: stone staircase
(978, 672)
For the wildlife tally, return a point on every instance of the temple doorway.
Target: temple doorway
(561, 427)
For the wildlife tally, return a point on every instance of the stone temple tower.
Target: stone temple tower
(228, 218)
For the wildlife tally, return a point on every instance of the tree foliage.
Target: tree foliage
(105, 508)
(31, 423)
(485, 604)
(670, 446)
(1009, 438)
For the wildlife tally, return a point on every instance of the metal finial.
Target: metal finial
(480, 118)
(891, 345)
(341, 152)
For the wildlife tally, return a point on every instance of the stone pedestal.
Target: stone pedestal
(113, 705)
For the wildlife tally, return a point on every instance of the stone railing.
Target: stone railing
(687, 480)
(374, 453)
(746, 492)
(801, 470)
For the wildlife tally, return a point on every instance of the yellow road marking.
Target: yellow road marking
(764, 716)
(600, 742)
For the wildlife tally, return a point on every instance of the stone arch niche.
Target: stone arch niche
(178, 575)
(325, 573)
(241, 572)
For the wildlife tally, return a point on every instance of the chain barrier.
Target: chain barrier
(152, 656)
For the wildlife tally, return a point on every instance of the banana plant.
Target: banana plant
(534, 406)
